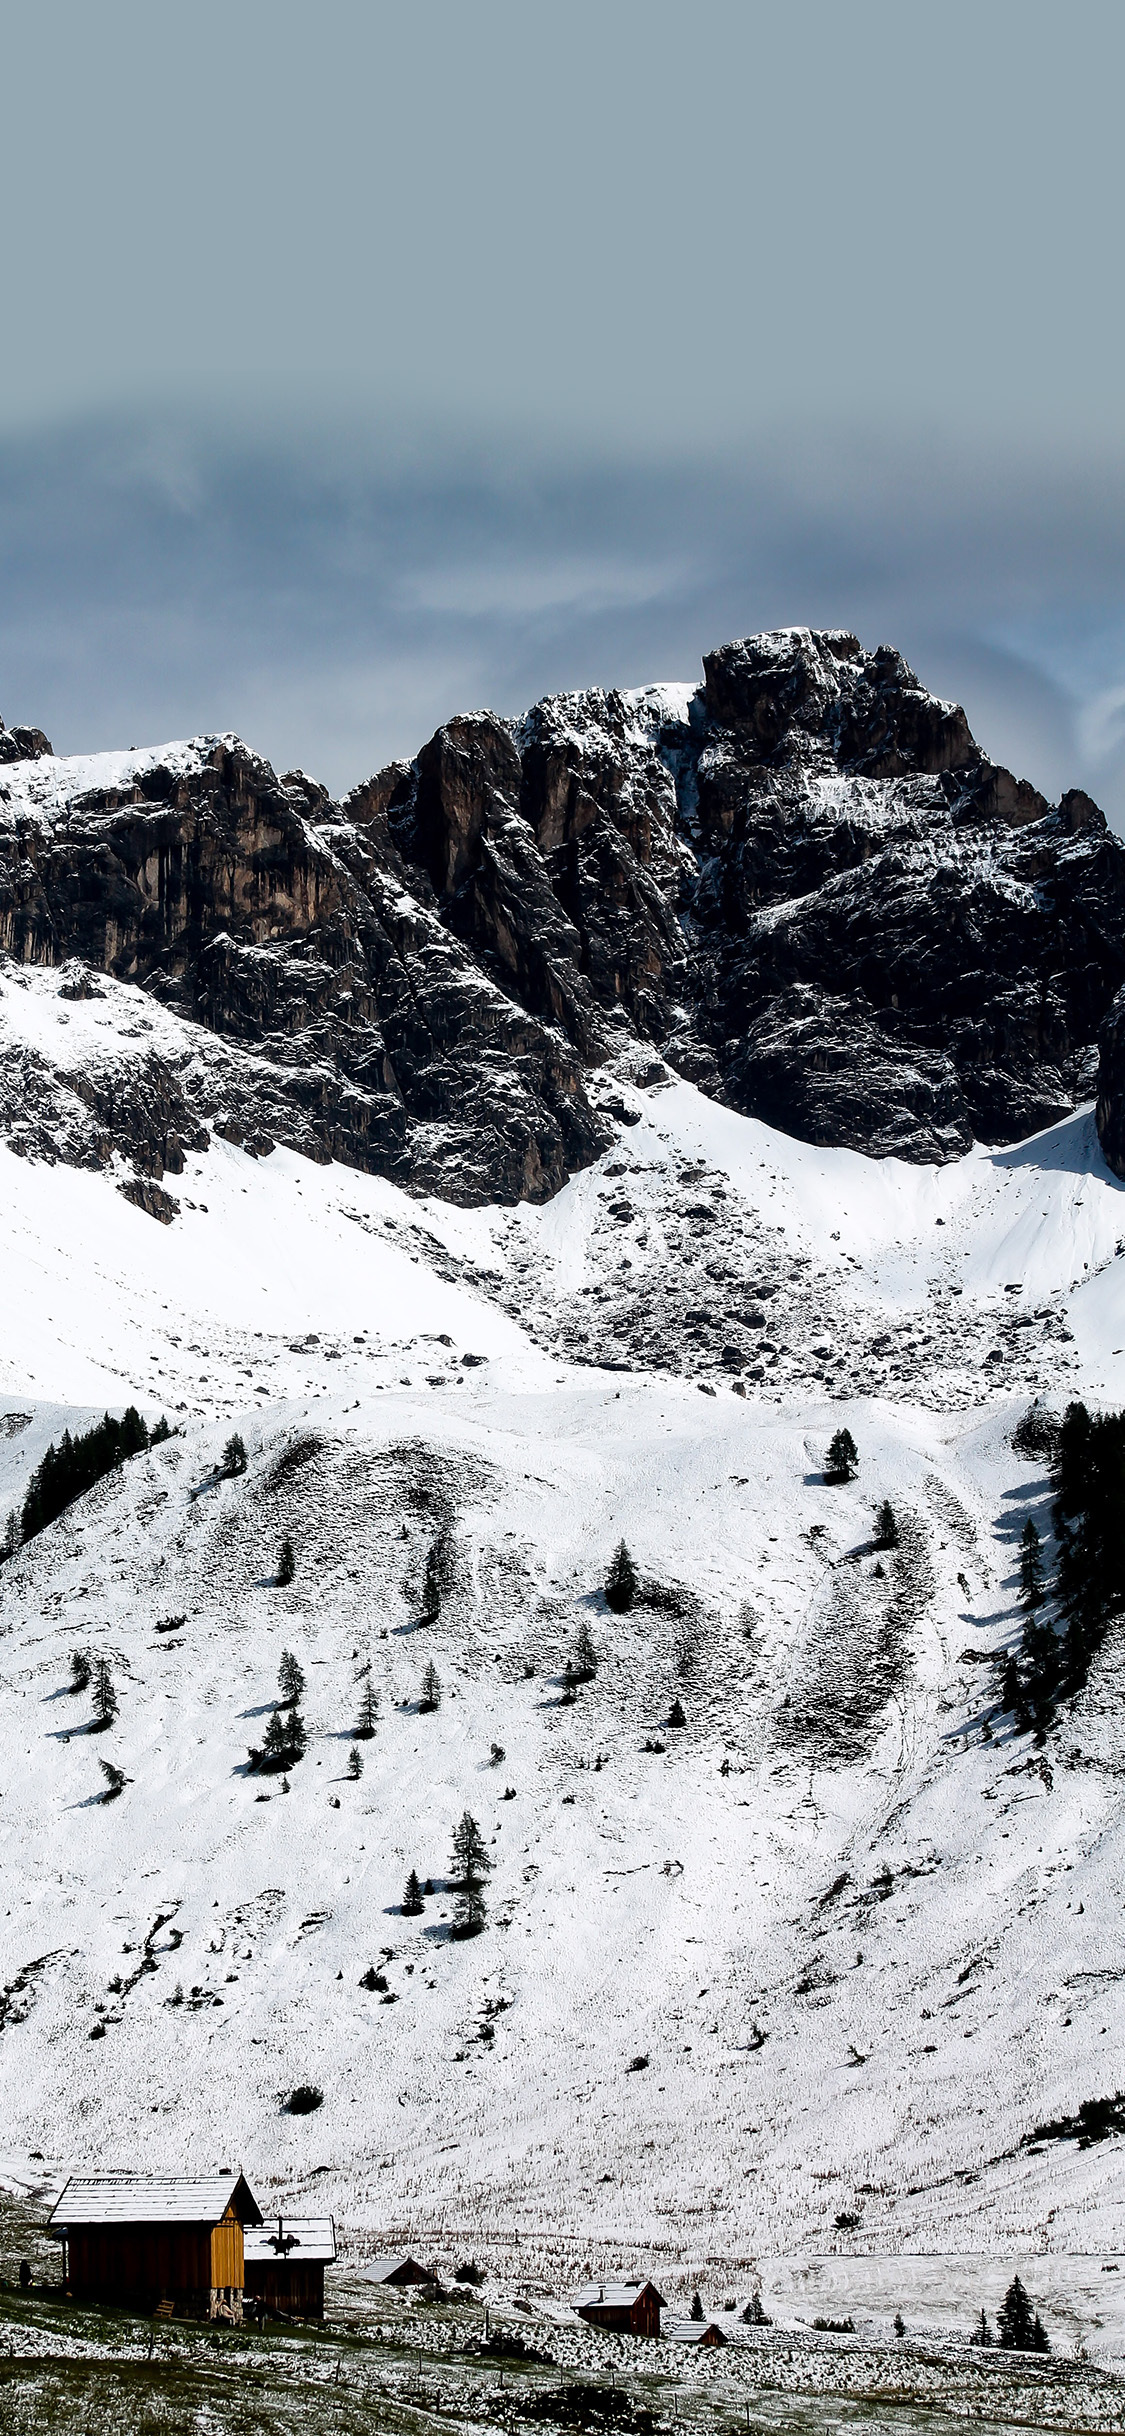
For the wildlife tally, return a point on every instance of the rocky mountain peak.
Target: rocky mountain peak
(802, 885)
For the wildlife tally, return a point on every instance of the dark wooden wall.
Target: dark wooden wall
(120, 2262)
(285, 2284)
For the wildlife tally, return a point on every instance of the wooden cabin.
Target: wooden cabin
(703, 2331)
(140, 2240)
(401, 2269)
(285, 2263)
(623, 2308)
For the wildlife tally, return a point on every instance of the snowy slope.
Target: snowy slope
(862, 1949)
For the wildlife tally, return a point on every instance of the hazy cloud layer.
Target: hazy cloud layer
(333, 597)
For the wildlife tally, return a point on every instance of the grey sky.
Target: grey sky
(359, 363)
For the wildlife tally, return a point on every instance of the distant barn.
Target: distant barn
(694, 2330)
(401, 2269)
(622, 2308)
(285, 2263)
(139, 2240)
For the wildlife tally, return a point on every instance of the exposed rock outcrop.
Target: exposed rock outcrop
(801, 885)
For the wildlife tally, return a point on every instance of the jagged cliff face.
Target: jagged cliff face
(802, 885)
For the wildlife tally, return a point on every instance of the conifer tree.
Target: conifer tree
(412, 1897)
(286, 1564)
(621, 1584)
(355, 1762)
(696, 2310)
(234, 1457)
(886, 1525)
(290, 1680)
(11, 1539)
(368, 1711)
(104, 1695)
(842, 1460)
(676, 1715)
(470, 1852)
(80, 1669)
(470, 1911)
(1015, 2319)
(585, 1656)
(431, 1689)
(1031, 1592)
(982, 2333)
(115, 1780)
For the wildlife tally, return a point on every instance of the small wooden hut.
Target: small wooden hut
(139, 2240)
(401, 2269)
(702, 2331)
(285, 2263)
(623, 2308)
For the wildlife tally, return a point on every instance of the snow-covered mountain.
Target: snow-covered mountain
(809, 1969)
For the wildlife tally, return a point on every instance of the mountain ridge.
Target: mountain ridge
(801, 886)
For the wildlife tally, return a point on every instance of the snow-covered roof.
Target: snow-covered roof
(691, 2330)
(381, 2269)
(613, 2296)
(152, 2199)
(309, 2240)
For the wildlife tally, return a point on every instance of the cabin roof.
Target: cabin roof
(153, 2199)
(380, 2268)
(614, 2296)
(304, 2240)
(692, 2330)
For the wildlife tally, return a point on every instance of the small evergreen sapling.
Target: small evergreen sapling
(430, 1697)
(115, 1780)
(368, 1711)
(982, 2333)
(104, 1696)
(676, 1715)
(899, 2323)
(9, 1546)
(842, 1460)
(412, 1902)
(621, 1584)
(286, 1564)
(355, 1763)
(290, 1680)
(80, 1670)
(234, 1457)
(471, 1865)
(696, 2310)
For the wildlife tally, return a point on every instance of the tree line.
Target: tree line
(1055, 1654)
(77, 1463)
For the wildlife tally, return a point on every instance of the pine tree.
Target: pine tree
(104, 1696)
(80, 1669)
(886, 1525)
(368, 1711)
(585, 1656)
(286, 1564)
(284, 1742)
(234, 1457)
(412, 1898)
(1013, 1696)
(431, 1689)
(842, 1460)
(621, 1584)
(1039, 2340)
(355, 1762)
(11, 1540)
(982, 2333)
(1031, 1592)
(115, 1780)
(696, 2310)
(470, 1852)
(471, 1911)
(290, 1680)
(1015, 2319)
(676, 1715)
(899, 2324)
